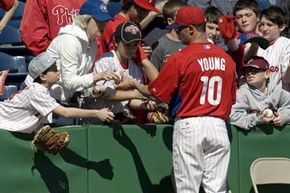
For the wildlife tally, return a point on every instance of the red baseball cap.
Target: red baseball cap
(147, 4)
(256, 62)
(188, 15)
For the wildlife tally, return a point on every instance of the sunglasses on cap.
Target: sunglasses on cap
(253, 70)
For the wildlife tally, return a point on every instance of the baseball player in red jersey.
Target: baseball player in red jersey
(203, 76)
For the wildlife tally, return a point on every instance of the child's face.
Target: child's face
(212, 31)
(246, 20)
(256, 77)
(127, 50)
(269, 30)
(52, 76)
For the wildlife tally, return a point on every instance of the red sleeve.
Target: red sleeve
(34, 27)
(160, 88)
(6, 4)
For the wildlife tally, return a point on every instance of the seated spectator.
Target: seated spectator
(31, 106)
(134, 11)
(42, 20)
(75, 49)
(9, 6)
(127, 37)
(273, 21)
(254, 97)
(170, 42)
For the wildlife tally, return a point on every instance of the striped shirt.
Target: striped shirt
(278, 56)
(27, 109)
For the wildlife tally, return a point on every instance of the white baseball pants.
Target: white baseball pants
(201, 153)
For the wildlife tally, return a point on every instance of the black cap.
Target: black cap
(128, 32)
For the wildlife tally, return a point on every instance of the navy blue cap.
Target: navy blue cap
(97, 9)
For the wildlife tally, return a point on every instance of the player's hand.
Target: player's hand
(105, 115)
(106, 75)
(278, 120)
(127, 83)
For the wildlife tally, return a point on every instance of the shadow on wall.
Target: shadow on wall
(165, 184)
(55, 180)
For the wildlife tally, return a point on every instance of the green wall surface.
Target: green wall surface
(124, 159)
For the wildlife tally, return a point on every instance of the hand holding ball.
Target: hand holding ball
(268, 113)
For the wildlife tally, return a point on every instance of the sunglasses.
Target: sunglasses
(253, 70)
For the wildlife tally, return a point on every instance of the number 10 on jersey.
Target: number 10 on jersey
(211, 90)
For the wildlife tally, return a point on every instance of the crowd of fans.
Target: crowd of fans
(82, 37)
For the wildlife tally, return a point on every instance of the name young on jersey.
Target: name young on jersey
(211, 63)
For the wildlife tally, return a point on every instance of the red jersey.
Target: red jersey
(203, 75)
(42, 20)
(6, 4)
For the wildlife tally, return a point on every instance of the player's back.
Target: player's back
(207, 85)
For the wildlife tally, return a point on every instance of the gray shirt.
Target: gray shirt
(250, 102)
(164, 49)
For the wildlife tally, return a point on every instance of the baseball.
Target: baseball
(268, 113)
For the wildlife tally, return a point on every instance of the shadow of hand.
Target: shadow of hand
(103, 168)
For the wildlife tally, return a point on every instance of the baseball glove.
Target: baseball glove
(124, 118)
(48, 140)
(157, 117)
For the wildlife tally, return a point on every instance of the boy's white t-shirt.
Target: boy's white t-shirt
(27, 109)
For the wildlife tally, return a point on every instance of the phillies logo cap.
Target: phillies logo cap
(257, 62)
(128, 32)
(95, 8)
(188, 15)
(147, 4)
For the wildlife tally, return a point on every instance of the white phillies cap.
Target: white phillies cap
(39, 64)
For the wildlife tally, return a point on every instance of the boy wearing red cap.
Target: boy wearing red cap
(257, 103)
(202, 77)
(134, 11)
(127, 37)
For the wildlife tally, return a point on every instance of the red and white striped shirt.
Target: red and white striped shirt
(27, 109)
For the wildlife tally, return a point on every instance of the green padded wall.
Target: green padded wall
(125, 159)
(23, 171)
